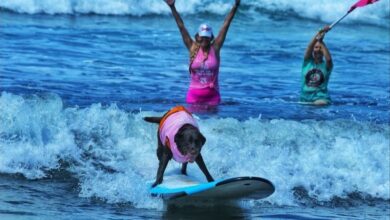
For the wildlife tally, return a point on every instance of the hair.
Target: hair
(194, 50)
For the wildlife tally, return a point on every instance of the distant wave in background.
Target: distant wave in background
(324, 10)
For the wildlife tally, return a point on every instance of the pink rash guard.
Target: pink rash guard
(204, 72)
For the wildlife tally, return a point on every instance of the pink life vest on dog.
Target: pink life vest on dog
(170, 124)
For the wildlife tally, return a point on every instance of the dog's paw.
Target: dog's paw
(155, 184)
(184, 170)
(159, 181)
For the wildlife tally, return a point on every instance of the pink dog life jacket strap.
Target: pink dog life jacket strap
(170, 125)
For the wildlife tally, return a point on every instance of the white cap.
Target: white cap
(205, 30)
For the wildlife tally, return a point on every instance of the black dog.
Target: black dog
(178, 138)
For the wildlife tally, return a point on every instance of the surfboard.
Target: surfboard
(181, 186)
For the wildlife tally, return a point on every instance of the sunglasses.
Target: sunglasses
(204, 38)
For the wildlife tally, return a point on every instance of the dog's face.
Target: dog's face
(189, 141)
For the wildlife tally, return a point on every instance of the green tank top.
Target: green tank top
(315, 78)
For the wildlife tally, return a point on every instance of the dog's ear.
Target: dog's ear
(179, 137)
(202, 138)
(179, 140)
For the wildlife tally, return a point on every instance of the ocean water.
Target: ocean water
(76, 78)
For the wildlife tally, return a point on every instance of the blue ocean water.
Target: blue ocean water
(76, 78)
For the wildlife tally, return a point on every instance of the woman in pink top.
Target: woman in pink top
(204, 58)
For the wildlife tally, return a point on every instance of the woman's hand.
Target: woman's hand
(170, 2)
(324, 30)
(321, 33)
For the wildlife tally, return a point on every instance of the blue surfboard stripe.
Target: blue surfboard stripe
(167, 192)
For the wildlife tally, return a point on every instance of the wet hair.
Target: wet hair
(194, 51)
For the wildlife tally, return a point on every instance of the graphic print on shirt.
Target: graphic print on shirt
(314, 78)
(204, 70)
(205, 74)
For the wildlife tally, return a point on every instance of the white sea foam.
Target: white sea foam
(324, 10)
(34, 135)
(112, 152)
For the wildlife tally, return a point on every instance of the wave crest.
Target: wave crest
(324, 10)
(111, 152)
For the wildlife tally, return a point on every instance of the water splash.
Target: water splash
(111, 152)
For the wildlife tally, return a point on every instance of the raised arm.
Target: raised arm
(184, 33)
(218, 43)
(328, 57)
(318, 37)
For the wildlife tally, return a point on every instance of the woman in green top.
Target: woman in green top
(316, 71)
